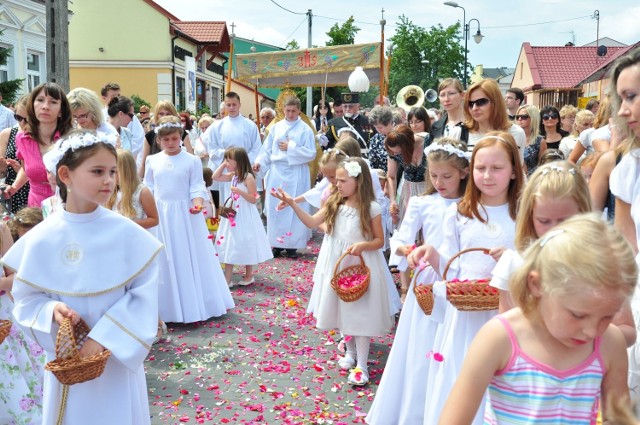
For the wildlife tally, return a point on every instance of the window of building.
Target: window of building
(34, 73)
(4, 69)
(180, 94)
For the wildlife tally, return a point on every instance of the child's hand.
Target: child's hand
(281, 205)
(62, 311)
(196, 209)
(90, 348)
(417, 255)
(496, 253)
(282, 195)
(14, 164)
(406, 250)
(283, 145)
(356, 248)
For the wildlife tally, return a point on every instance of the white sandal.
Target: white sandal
(347, 362)
(358, 377)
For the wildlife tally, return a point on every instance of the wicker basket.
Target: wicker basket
(68, 367)
(471, 295)
(5, 328)
(423, 293)
(357, 291)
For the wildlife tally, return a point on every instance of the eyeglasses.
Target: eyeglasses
(144, 112)
(131, 115)
(19, 118)
(82, 116)
(546, 117)
(522, 117)
(478, 102)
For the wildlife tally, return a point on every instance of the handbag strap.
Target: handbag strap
(228, 201)
(464, 251)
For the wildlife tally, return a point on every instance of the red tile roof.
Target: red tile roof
(203, 31)
(563, 67)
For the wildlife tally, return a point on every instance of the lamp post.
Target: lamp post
(477, 37)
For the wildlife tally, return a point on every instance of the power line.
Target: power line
(345, 20)
(539, 23)
(294, 31)
(290, 11)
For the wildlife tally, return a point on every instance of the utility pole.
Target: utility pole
(309, 89)
(58, 42)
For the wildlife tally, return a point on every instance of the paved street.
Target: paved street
(262, 363)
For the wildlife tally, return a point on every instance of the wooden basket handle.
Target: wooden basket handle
(342, 257)
(464, 251)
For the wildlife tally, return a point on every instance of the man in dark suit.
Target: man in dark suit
(352, 121)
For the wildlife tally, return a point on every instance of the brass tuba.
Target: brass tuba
(410, 96)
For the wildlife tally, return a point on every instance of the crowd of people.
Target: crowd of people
(539, 203)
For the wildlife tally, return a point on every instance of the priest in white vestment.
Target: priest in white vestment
(233, 131)
(286, 152)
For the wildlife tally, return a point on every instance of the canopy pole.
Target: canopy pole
(382, 22)
(255, 91)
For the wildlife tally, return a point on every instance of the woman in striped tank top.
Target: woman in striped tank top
(554, 357)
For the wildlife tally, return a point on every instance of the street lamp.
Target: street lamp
(477, 37)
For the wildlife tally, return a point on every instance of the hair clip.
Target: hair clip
(353, 168)
(550, 235)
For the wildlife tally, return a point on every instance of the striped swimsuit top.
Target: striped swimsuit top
(526, 391)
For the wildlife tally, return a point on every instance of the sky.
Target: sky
(506, 24)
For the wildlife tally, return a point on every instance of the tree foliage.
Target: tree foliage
(342, 34)
(10, 88)
(292, 45)
(414, 45)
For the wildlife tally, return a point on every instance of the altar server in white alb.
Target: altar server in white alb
(233, 131)
(192, 286)
(286, 152)
(88, 262)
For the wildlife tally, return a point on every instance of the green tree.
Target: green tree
(8, 89)
(424, 57)
(342, 34)
(292, 45)
(138, 102)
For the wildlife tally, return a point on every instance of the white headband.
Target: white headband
(557, 169)
(74, 142)
(451, 150)
(337, 151)
(167, 125)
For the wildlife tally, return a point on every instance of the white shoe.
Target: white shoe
(358, 377)
(246, 282)
(347, 362)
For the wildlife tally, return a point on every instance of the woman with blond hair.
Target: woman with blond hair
(87, 111)
(164, 108)
(583, 120)
(528, 118)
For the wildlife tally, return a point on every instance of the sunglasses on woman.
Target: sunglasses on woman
(478, 102)
(549, 117)
(522, 117)
(19, 118)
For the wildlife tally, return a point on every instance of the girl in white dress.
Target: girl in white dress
(353, 225)
(192, 286)
(484, 218)
(401, 395)
(241, 239)
(22, 360)
(88, 262)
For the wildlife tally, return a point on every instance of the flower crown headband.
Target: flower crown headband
(167, 125)
(73, 143)
(337, 151)
(557, 169)
(451, 150)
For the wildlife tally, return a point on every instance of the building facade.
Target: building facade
(149, 52)
(23, 23)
